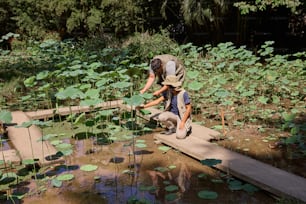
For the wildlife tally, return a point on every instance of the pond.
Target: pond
(142, 171)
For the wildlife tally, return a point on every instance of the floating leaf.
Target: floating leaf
(209, 195)
(56, 183)
(140, 145)
(161, 169)
(64, 145)
(56, 142)
(202, 176)
(235, 185)
(164, 148)
(211, 162)
(89, 167)
(217, 180)
(65, 177)
(172, 167)
(171, 188)
(171, 197)
(249, 188)
(148, 188)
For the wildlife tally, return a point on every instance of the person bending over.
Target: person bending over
(162, 66)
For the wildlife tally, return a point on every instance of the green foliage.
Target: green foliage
(255, 6)
(144, 46)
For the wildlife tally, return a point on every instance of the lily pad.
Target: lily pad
(211, 162)
(209, 195)
(164, 148)
(56, 183)
(171, 188)
(171, 197)
(65, 177)
(89, 167)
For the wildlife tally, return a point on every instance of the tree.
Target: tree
(262, 5)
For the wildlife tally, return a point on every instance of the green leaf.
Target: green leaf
(235, 185)
(89, 167)
(208, 195)
(56, 183)
(161, 169)
(249, 188)
(211, 162)
(65, 177)
(140, 145)
(195, 86)
(263, 99)
(164, 148)
(145, 112)
(171, 197)
(5, 116)
(171, 188)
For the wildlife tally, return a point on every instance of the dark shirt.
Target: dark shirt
(173, 104)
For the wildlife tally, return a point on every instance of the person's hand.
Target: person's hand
(142, 91)
(156, 93)
(139, 107)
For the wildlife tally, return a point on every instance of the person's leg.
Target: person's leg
(168, 119)
(180, 134)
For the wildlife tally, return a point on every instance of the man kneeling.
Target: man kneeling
(177, 114)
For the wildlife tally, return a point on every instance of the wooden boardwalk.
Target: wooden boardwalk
(25, 140)
(264, 176)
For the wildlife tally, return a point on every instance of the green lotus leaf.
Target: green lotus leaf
(208, 195)
(65, 177)
(171, 188)
(56, 183)
(164, 148)
(5, 116)
(171, 196)
(89, 167)
(211, 162)
(140, 145)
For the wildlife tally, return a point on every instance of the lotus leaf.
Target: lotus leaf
(65, 177)
(89, 167)
(209, 195)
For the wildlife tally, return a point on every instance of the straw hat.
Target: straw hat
(173, 81)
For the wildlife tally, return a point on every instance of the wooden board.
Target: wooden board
(26, 141)
(10, 156)
(267, 177)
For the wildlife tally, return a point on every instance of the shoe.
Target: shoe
(168, 132)
(189, 131)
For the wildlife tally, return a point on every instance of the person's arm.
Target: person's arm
(152, 103)
(158, 92)
(185, 116)
(149, 83)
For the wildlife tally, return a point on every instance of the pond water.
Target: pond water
(151, 175)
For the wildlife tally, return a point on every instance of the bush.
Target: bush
(143, 46)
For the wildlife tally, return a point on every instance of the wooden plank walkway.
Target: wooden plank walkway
(25, 140)
(264, 176)
(49, 113)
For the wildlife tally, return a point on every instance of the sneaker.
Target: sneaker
(189, 131)
(168, 132)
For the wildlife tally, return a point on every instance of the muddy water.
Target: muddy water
(108, 184)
